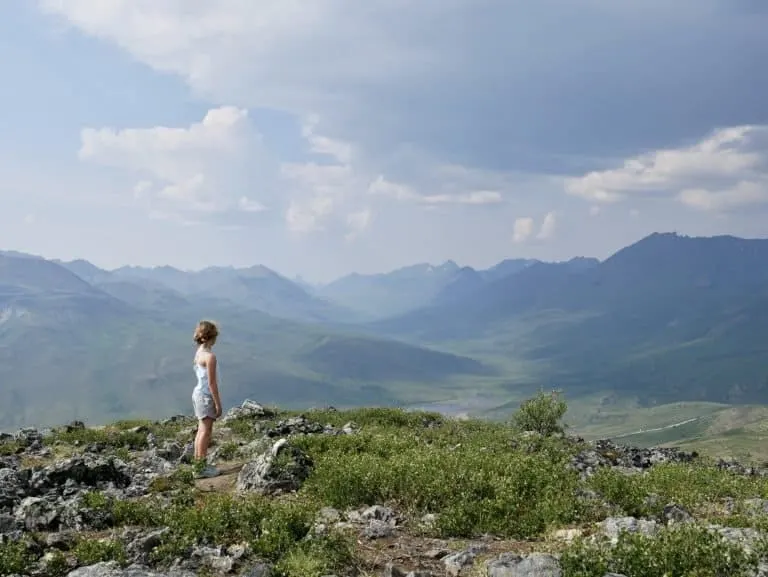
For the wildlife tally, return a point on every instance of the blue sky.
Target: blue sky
(325, 137)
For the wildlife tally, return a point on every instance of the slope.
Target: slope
(386, 294)
(670, 317)
(69, 350)
(256, 287)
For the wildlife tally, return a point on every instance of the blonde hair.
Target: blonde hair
(206, 333)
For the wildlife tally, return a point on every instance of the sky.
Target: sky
(329, 136)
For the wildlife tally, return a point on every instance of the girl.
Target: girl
(205, 396)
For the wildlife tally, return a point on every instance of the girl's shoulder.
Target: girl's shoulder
(204, 357)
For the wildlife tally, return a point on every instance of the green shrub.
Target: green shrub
(689, 485)
(317, 557)
(91, 551)
(480, 486)
(684, 551)
(15, 557)
(542, 414)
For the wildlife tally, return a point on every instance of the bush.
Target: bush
(15, 557)
(541, 414)
(477, 483)
(685, 551)
(274, 530)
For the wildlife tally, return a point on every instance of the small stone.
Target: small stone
(456, 562)
(533, 565)
(567, 535)
(437, 553)
(378, 530)
(676, 514)
(258, 570)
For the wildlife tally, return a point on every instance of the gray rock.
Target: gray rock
(746, 537)
(112, 569)
(295, 426)
(391, 570)
(258, 570)
(62, 541)
(613, 526)
(533, 565)
(280, 470)
(676, 514)
(247, 410)
(456, 563)
(83, 470)
(8, 523)
(378, 530)
(605, 453)
(141, 544)
(378, 513)
(38, 514)
(328, 515)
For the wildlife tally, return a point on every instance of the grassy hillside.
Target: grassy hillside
(394, 492)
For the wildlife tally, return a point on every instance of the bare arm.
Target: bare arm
(213, 381)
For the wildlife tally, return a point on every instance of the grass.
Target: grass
(475, 477)
(686, 551)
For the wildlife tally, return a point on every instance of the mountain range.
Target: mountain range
(667, 318)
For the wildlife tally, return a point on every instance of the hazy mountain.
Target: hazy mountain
(667, 318)
(386, 294)
(256, 287)
(70, 350)
(507, 267)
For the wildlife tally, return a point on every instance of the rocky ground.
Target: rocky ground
(369, 492)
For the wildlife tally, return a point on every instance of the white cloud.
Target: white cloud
(476, 197)
(201, 168)
(522, 229)
(728, 170)
(548, 225)
(358, 222)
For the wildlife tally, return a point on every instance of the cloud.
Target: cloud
(201, 168)
(507, 85)
(522, 229)
(358, 222)
(548, 226)
(728, 170)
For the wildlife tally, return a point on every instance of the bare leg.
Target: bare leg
(203, 440)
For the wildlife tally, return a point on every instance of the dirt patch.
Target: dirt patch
(224, 483)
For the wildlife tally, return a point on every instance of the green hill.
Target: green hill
(669, 318)
(69, 350)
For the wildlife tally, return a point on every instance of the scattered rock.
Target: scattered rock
(676, 514)
(280, 470)
(605, 453)
(83, 470)
(258, 570)
(533, 565)
(459, 564)
(38, 514)
(612, 527)
(247, 410)
(378, 530)
(112, 569)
